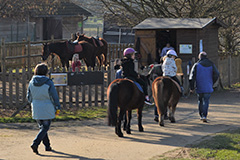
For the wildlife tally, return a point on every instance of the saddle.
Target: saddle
(178, 86)
(137, 84)
(74, 47)
(97, 42)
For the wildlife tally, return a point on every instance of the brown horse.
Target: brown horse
(165, 94)
(66, 49)
(100, 45)
(124, 94)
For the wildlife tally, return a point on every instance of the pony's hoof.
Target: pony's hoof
(166, 117)
(172, 120)
(141, 129)
(128, 131)
(161, 124)
(120, 135)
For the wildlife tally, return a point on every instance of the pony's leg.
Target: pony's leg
(125, 121)
(100, 60)
(161, 120)
(140, 127)
(63, 63)
(171, 113)
(119, 121)
(129, 117)
(67, 64)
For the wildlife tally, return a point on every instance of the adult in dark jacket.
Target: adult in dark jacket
(204, 73)
(129, 72)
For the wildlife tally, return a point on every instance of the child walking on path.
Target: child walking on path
(45, 104)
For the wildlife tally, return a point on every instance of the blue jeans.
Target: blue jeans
(203, 104)
(42, 134)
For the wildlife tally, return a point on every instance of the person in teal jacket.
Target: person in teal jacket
(45, 104)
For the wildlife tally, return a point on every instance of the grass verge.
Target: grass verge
(68, 114)
(222, 146)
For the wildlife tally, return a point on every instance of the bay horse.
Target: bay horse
(125, 95)
(100, 45)
(166, 94)
(66, 49)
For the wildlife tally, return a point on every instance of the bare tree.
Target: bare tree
(134, 11)
(20, 9)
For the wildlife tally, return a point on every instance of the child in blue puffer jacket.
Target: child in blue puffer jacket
(45, 104)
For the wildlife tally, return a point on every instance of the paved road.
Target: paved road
(94, 140)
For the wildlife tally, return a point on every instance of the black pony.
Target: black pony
(124, 94)
(66, 49)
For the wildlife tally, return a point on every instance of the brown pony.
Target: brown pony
(165, 94)
(125, 95)
(100, 45)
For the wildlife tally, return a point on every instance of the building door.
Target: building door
(52, 26)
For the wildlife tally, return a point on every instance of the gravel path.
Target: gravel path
(94, 140)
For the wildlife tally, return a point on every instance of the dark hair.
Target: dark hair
(128, 55)
(41, 69)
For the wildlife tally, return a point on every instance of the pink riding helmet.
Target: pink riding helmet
(128, 51)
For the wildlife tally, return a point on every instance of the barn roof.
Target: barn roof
(67, 9)
(178, 23)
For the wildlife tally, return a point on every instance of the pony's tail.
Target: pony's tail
(113, 105)
(160, 95)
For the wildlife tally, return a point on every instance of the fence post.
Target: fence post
(3, 67)
(102, 88)
(52, 40)
(17, 77)
(90, 90)
(96, 90)
(112, 72)
(28, 53)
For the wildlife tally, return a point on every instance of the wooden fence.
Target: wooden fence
(27, 54)
(18, 60)
(14, 83)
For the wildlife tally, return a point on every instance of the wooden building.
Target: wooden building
(188, 36)
(67, 19)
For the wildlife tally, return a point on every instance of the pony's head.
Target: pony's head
(45, 52)
(81, 37)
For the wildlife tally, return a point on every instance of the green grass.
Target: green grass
(69, 114)
(222, 146)
(236, 85)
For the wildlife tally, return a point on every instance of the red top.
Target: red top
(76, 64)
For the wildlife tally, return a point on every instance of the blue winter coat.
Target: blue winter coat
(43, 97)
(205, 74)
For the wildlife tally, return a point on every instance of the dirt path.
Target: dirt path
(94, 140)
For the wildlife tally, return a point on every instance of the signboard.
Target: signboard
(85, 78)
(59, 79)
(185, 48)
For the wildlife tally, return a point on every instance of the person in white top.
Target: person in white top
(169, 67)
